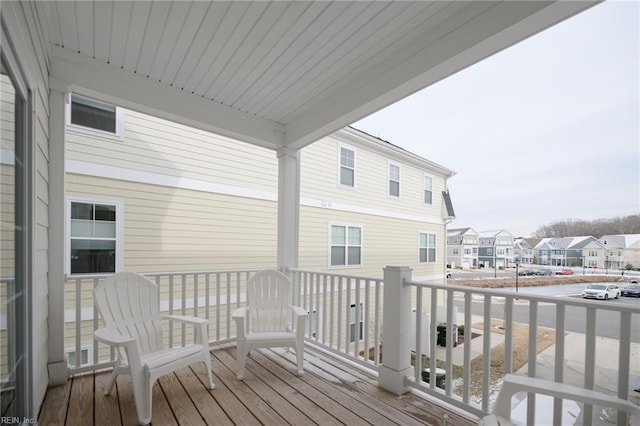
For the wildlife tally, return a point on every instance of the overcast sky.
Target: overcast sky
(546, 130)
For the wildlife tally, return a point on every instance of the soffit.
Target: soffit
(278, 73)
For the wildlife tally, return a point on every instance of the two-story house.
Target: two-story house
(495, 249)
(194, 203)
(462, 248)
(524, 250)
(621, 250)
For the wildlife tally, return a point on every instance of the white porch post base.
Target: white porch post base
(392, 380)
(58, 372)
(396, 330)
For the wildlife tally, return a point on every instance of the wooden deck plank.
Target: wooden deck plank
(54, 408)
(281, 385)
(227, 400)
(181, 404)
(357, 384)
(319, 391)
(332, 391)
(398, 405)
(285, 408)
(81, 401)
(253, 402)
(107, 411)
(207, 405)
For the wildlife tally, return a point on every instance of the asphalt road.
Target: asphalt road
(607, 322)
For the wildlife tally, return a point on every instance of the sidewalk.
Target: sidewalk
(605, 376)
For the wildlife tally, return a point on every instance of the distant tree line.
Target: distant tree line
(596, 228)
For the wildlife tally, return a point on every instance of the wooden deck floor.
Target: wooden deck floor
(330, 392)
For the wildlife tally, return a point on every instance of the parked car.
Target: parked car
(601, 291)
(544, 272)
(526, 272)
(565, 271)
(448, 275)
(632, 290)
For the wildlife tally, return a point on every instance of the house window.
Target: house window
(92, 115)
(356, 327)
(394, 180)
(347, 167)
(346, 245)
(456, 251)
(427, 247)
(93, 237)
(490, 252)
(428, 190)
(84, 357)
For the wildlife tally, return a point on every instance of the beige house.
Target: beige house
(145, 194)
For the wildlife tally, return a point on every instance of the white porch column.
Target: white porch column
(396, 362)
(288, 207)
(57, 363)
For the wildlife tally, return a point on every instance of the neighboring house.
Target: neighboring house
(621, 250)
(523, 250)
(462, 248)
(495, 249)
(145, 194)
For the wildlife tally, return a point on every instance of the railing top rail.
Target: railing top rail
(334, 274)
(219, 271)
(612, 306)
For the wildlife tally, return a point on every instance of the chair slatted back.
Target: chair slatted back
(129, 303)
(269, 298)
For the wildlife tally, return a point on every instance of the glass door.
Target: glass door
(13, 252)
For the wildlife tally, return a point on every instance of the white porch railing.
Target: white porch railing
(346, 319)
(207, 294)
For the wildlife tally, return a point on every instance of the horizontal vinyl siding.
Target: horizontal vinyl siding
(320, 180)
(169, 229)
(151, 144)
(386, 241)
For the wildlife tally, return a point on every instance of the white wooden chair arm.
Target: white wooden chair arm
(240, 313)
(186, 319)
(110, 337)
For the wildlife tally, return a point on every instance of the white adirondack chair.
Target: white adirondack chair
(513, 384)
(129, 304)
(269, 320)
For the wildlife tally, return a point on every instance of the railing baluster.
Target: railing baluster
(367, 317)
(508, 334)
(624, 360)
(432, 345)
(589, 362)
(450, 340)
(171, 309)
(558, 369)
(359, 314)
(418, 339)
(533, 353)
(486, 353)
(376, 350)
(466, 369)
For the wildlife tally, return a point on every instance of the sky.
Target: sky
(546, 130)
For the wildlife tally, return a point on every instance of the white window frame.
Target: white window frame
(435, 248)
(346, 254)
(72, 349)
(119, 204)
(361, 331)
(390, 179)
(118, 135)
(355, 164)
(425, 189)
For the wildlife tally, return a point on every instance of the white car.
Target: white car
(601, 291)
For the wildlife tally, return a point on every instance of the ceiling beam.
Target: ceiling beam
(148, 96)
(488, 32)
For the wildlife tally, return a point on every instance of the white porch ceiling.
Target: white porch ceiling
(282, 73)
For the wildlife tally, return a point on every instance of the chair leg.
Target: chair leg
(299, 358)
(207, 363)
(242, 359)
(112, 381)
